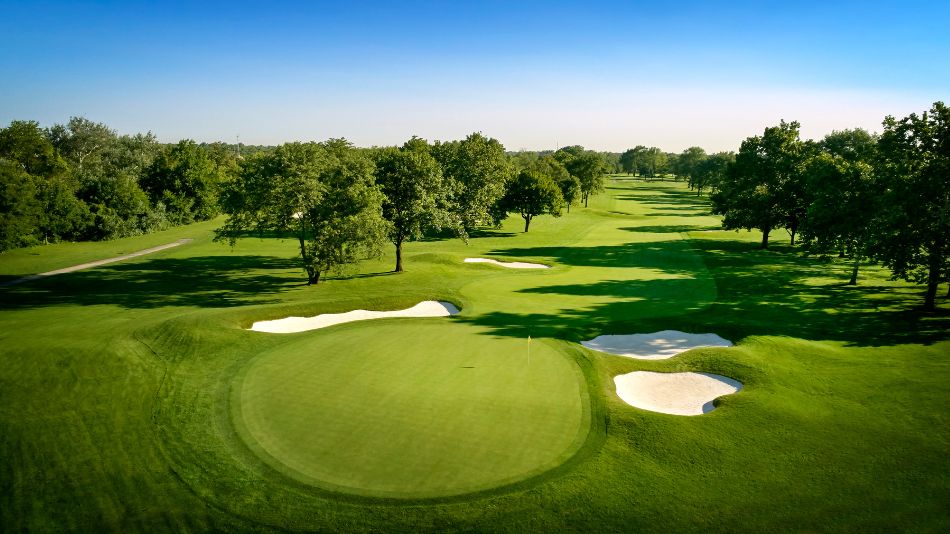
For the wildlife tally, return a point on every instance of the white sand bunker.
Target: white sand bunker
(674, 393)
(656, 346)
(289, 325)
(508, 264)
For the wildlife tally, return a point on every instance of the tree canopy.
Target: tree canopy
(533, 193)
(415, 193)
(324, 193)
(914, 165)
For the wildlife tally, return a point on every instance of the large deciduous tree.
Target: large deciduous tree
(711, 171)
(414, 190)
(323, 193)
(762, 188)
(688, 164)
(477, 170)
(186, 180)
(845, 199)
(914, 167)
(533, 193)
(585, 165)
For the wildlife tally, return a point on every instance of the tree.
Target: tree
(585, 165)
(20, 212)
(845, 199)
(324, 193)
(569, 185)
(411, 181)
(82, 142)
(628, 161)
(710, 171)
(41, 173)
(760, 189)
(533, 193)
(914, 167)
(186, 180)
(477, 170)
(688, 164)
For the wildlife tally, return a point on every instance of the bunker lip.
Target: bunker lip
(508, 264)
(290, 325)
(655, 346)
(674, 393)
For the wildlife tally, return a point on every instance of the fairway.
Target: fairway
(413, 408)
(134, 397)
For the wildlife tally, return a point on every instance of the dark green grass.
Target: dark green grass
(116, 383)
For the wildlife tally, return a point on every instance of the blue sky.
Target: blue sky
(607, 75)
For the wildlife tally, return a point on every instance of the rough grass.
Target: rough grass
(116, 383)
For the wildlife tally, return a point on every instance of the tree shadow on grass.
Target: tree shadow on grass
(663, 255)
(205, 281)
(759, 293)
(671, 228)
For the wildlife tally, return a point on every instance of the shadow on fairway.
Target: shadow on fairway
(774, 292)
(670, 229)
(662, 255)
(206, 281)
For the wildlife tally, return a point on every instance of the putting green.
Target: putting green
(412, 408)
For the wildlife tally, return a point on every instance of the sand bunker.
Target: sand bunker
(508, 264)
(656, 346)
(289, 325)
(674, 393)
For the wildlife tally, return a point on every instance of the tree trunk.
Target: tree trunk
(793, 236)
(933, 280)
(585, 200)
(398, 255)
(765, 238)
(854, 271)
(313, 276)
(527, 222)
(948, 291)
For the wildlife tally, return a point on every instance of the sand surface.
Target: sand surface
(289, 325)
(508, 264)
(674, 393)
(656, 346)
(96, 263)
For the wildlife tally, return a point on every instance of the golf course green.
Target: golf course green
(134, 397)
(344, 410)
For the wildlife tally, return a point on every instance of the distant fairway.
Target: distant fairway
(413, 408)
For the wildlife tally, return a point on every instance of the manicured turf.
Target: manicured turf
(362, 409)
(120, 386)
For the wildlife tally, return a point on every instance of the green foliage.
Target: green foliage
(186, 180)
(533, 193)
(20, 212)
(415, 193)
(845, 196)
(586, 166)
(322, 192)
(689, 163)
(477, 170)
(764, 187)
(914, 166)
(711, 171)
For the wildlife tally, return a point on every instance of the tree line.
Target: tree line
(867, 197)
(342, 203)
(81, 181)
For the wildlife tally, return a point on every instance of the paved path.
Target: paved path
(96, 263)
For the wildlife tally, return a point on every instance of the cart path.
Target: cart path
(96, 263)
